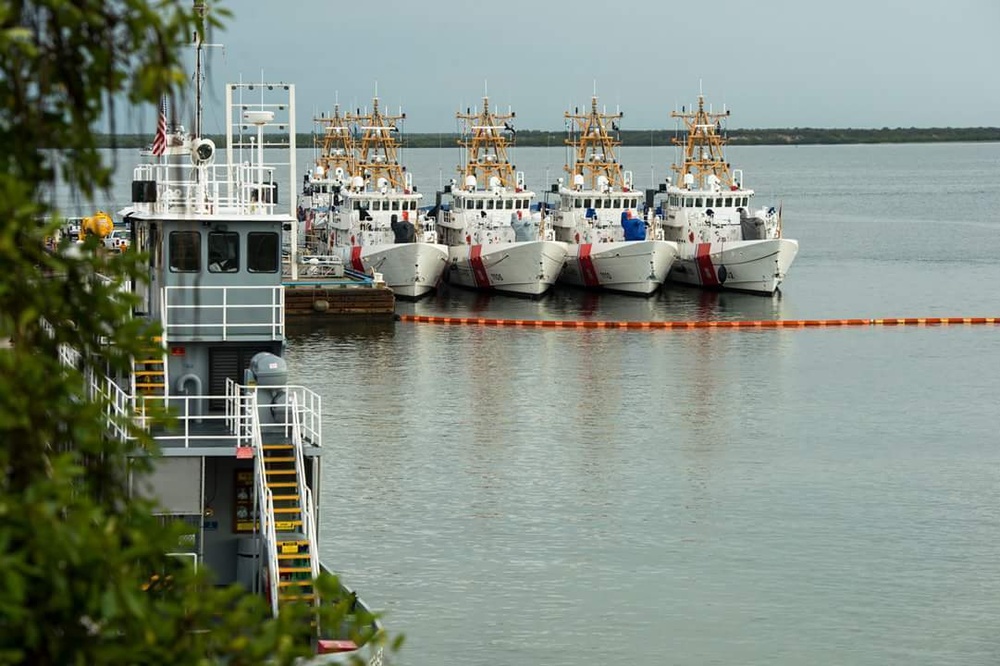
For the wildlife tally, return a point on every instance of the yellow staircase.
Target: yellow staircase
(294, 551)
(149, 375)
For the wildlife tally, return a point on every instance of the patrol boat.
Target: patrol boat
(362, 204)
(241, 463)
(610, 246)
(724, 244)
(495, 241)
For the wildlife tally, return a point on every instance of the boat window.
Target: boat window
(356, 205)
(718, 202)
(262, 252)
(509, 204)
(479, 204)
(523, 203)
(469, 205)
(395, 205)
(185, 251)
(489, 204)
(697, 202)
(729, 202)
(223, 252)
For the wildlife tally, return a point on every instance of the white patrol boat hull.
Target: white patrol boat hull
(756, 266)
(411, 270)
(633, 267)
(527, 268)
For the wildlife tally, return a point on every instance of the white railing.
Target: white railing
(266, 514)
(308, 520)
(186, 556)
(223, 311)
(217, 188)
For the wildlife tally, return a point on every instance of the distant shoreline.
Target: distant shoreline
(737, 137)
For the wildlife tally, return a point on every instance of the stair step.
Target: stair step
(275, 447)
(282, 472)
(276, 459)
(282, 484)
(287, 509)
(291, 570)
(148, 385)
(148, 373)
(301, 584)
(285, 498)
(286, 525)
(296, 597)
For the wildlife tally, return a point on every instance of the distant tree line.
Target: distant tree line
(661, 137)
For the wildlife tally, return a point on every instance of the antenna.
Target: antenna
(200, 9)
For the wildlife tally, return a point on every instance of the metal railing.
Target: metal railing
(195, 312)
(218, 188)
(308, 516)
(269, 540)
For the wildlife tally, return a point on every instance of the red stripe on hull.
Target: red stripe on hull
(478, 269)
(705, 269)
(587, 266)
(356, 259)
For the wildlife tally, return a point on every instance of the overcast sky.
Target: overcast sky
(773, 63)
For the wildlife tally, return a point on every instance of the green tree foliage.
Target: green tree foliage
(84, 575)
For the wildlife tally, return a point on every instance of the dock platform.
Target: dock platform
(327, 290)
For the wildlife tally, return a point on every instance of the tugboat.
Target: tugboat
(610, 246)
(495, 241)
(723, 244)
(241, 461)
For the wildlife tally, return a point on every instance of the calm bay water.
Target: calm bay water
(820, 496)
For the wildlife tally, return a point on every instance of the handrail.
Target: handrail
(308, 519)
(269, 315)
(212, 191)
(266, 515)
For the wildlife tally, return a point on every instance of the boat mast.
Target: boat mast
(200, 9)
(703, 147)
(485, 140)
(594, 147)
(338, 145)
(376, 152)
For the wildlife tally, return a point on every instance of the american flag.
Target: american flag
(160, 140)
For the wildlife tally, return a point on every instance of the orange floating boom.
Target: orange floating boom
(645, 325)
